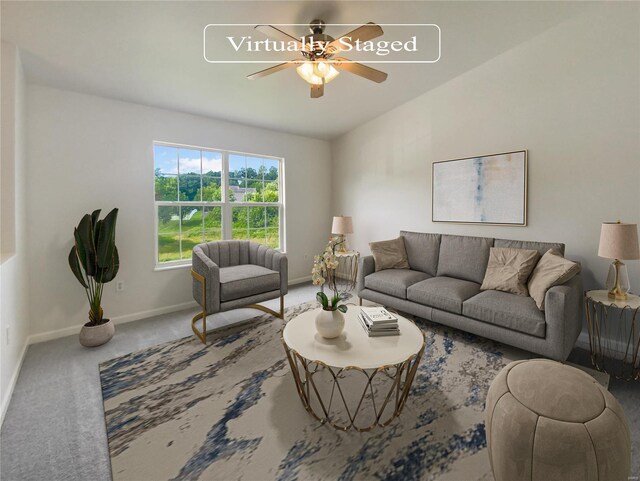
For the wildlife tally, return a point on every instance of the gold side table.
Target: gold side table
(614, 334)
(346, 274)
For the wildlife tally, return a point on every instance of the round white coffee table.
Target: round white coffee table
(327, 372)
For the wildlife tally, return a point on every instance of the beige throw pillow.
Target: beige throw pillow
(389, 254)
(552, 270)
(508, 270)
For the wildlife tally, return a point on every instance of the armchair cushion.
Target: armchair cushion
(246, 280)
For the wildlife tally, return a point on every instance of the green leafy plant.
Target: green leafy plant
(323, 271)
(332, 304)
(94, 258)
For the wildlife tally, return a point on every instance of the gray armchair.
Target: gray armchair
(233, 274)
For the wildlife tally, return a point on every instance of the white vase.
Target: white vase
(92, 336)
(329, 324)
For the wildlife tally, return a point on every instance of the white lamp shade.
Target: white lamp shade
(619, 241)
(342, 225)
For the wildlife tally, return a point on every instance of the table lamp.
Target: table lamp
(342, 225)
(618, 241)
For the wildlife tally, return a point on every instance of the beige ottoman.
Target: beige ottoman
(546, 421)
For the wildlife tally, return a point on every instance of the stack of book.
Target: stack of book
(377, 321)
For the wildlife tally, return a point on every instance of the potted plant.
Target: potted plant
(94, 261)
(330, 320)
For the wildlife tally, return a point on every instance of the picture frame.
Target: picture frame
(486, 189)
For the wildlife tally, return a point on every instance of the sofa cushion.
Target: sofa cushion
(394, 281)
(518, 313)
(508, 270)
(422, 251)
(552, 270)
(389, 254)
(443, 293)
(246, 280)
(541, 247)
(464, 257)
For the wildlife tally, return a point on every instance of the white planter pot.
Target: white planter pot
(91, 336)
(329, 324)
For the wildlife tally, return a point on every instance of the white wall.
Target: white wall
(88, 152)
(571, 96)
(13, 269)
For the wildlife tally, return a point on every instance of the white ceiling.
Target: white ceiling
(151, 53)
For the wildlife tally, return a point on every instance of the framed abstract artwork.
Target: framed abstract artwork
(489, 189)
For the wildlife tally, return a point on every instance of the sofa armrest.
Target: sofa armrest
(366, 266)
(202, 265)
(563, 314)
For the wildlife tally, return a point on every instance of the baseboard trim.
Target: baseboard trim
(299, 280)
(14, 379)
(616, 348)
(74, 330)
(136, 316)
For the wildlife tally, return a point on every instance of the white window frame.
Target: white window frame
(225, 204)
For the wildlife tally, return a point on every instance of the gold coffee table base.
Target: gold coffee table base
(388, 405)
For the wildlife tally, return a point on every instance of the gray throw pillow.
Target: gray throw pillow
(552, 270)
(508, 270)
(389, 254)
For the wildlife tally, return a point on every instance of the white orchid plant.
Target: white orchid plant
(324, 267)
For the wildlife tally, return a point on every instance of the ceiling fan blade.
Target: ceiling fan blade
(277, 34)
(366, 32)
(274, 69)
(359, 69)
(317, 91)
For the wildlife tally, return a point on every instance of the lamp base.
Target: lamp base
(341, 243)
(617, 295)
(618, 281)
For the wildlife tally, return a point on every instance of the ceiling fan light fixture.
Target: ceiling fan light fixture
(318, 67)
(314, 71)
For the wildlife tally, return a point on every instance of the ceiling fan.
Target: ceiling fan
(318, 65)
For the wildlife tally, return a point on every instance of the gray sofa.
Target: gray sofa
(236, 273)
(443, 285)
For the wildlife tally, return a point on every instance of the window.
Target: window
(203, 195)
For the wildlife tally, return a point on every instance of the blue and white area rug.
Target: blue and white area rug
(230, 411)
